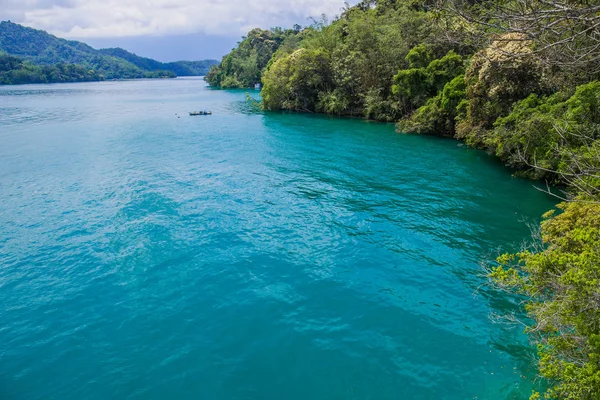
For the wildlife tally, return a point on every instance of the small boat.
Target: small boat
(201, 113)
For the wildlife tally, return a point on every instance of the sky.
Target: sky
(166, 30)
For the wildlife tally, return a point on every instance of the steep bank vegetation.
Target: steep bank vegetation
(518, 78)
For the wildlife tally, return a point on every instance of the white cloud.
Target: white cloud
(117, 18)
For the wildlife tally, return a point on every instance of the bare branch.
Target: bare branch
(565, 33)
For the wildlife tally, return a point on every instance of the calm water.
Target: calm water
(245, 255)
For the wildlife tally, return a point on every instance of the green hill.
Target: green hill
(43, 49)
(15, 70)
(180, 68)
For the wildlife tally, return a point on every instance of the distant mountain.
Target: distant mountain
(40, 48)
(180, 68)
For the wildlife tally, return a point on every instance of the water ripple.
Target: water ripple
(148, 254)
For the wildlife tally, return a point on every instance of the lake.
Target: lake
(148, 254)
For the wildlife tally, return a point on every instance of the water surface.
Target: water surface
(147, 254)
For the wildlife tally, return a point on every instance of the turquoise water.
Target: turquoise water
(246, 255)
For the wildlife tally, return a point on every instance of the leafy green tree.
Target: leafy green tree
(562, 284)
(365, 48)
(546, 136)
(294, 82)
(413, 87)
(245, 64)
(445, 69)
(419, 56)
(438, 116)
(417, 86)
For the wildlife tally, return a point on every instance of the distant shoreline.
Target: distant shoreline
(102, 80)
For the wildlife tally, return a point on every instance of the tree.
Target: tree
(438, 116)
(565, 33)
(243, 67)
(294, 82)
(415, 86)
(561, 281)
(495, 81)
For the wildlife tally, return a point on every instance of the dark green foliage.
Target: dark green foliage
(27, 42)
(419, 56)
(547, 131)
(415, 86)
(365, 49)
(438, 116)
(435, 89)
(444, 70)
(14, 70)
(243, 67)
(412, 87)
(190, 68)
(179, 68)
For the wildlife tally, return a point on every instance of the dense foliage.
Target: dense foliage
(518, 78)
(360, 54)
(548, 131)
(243, 67)
(45, 53)
(14, 70)
(179, 68)
(42, 48)
(563, 281)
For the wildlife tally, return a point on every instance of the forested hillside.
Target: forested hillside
(518, 78)
(180, 68)
(41, 49)
(15, 70)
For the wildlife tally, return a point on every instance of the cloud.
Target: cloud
(120, 18)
